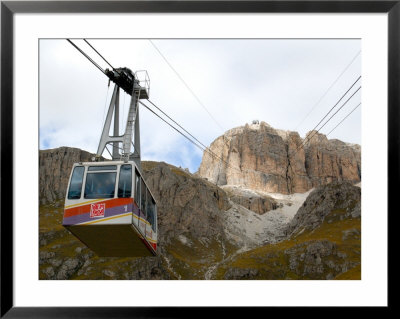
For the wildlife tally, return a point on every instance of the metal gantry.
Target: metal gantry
(138, 89)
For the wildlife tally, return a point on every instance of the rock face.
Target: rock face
(260, 157)
(54, 169)
(332, 160)
(323, 241)
(185, 203)
(194, 240)
(258, 203)
(340, 196)
(186, 206)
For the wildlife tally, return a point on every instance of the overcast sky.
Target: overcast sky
(237, 81)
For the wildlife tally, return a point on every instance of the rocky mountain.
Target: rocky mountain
(260, 157)
(253, 201)
(186, 203)
(209, 231)
(337, 196)
(323, 241)
(54, 169)
(189, 220)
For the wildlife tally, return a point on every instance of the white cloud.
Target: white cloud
(276, 81)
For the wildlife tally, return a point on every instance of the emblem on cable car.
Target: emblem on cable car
(97, 210)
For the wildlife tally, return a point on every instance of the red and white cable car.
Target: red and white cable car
(108, 205)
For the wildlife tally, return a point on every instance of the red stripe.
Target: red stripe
(68, 212)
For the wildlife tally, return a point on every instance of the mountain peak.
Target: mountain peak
(263, 158)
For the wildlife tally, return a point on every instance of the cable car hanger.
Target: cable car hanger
(108, 205)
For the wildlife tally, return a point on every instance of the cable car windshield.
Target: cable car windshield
(100, 185)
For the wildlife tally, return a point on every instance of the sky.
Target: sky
(291, 84)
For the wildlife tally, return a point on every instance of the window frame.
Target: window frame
(133, 189)
(137, 196)
(82, 182)
(143, 205)
(101, 172)
(151, 200)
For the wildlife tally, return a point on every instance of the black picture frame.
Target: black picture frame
(9, 8)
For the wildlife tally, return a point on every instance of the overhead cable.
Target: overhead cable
(176, 122)
(100, 55)
(343, 119)
(187, 86)
(329, 88)
(337, 102)
(203, 148)
(85, 55)
(341, 98)
(315, 132)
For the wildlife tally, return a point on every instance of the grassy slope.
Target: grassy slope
(184, 261)
(192, 261)
(179, 260)
(66, 246)
(272, 261)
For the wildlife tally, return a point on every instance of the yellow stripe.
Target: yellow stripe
(101, 220)
(119, 216)
(85, 203)
(143, 220)
(153, 241)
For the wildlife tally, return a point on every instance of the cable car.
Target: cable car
(111, 210)
(108, 205)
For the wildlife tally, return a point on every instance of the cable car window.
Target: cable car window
(100, 185)
(125, 181)
(150, 209)
(137, 188)
(143, 197)
(103, 168)
(75, 188)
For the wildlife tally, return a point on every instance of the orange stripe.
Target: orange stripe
(86, 208)
(87, 202)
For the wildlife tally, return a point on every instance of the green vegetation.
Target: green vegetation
(180, 260)
(61, 246)
(191, 261)
(149, 165)
(330, 251)
(352, 274)
(286, 260)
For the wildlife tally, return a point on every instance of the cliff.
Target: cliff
(54, 169)
(190, 222)
(323, 241)
(260, 157)
(208, 231)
